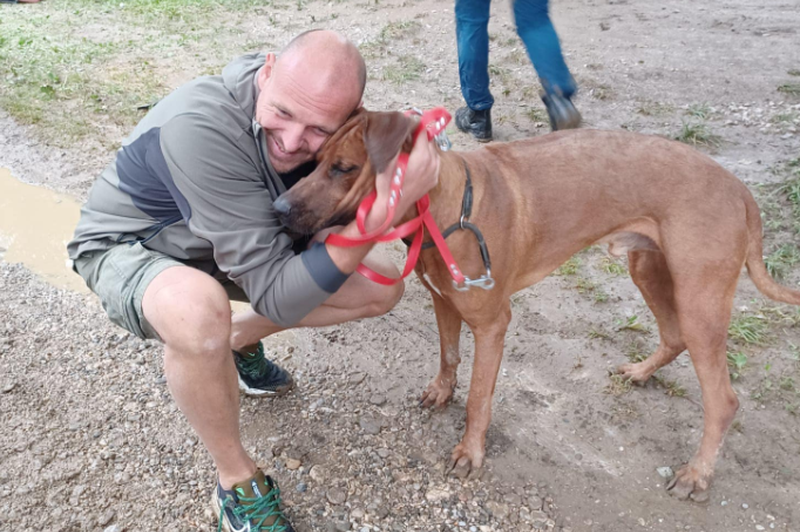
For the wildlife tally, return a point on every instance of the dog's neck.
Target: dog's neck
(443, 207)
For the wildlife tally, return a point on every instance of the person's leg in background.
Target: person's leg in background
(472, 37)
(544, 50)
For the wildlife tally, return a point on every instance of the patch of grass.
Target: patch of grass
(537, 114)
(569, 268)
(408, 68)
(671, 387)
(654, 109)
(792, 89)
(793, 72)
(619, 385)
(613, 267)
(780, 261)
(584, 285)
(736, 362)
(699, 110)
(602, 92)
(600, 296)
(635, 355)
(79, 70)
(698, 134)
(597, 334)
(397, 30)
(632, 324)
(749, 329)
(784, 118)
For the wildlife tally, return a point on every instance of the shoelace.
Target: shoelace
(250, 508)
(254, 364)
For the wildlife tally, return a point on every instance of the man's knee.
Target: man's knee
(189, 310)
(385, 299)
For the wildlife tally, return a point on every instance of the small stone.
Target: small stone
(745, 505)
(377, 399)
(437, 494)
(7, 387)
(336, 496)
(665, 472)
(317, 473)
(370, 425)
(292, 464)
(759, 527)
(498, 509)
(539, 519)
(106, 518)
(112, 528)
(301, 487)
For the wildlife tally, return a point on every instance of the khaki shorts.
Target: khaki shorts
(119, 276)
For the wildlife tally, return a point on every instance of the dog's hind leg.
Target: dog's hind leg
(440, 390)
(467, 457)
(651, 275)
(705, 305)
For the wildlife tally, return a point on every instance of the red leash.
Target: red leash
(433, 122)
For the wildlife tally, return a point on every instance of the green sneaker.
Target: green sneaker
(253, 505)
(258, 376)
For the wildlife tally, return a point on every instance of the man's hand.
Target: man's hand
(421, 176)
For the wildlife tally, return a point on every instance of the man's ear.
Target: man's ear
(266, 70)
(384, 135)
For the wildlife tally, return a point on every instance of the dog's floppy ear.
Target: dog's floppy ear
(384, 135)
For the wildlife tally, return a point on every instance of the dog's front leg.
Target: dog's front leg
(467, 457)
(440, 390)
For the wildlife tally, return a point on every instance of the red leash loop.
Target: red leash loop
(433, 122)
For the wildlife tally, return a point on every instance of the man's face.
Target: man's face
(297, 113)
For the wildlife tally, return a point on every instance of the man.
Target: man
(183, 218)
(541, 41)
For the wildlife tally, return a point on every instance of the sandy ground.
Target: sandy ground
(92, 441)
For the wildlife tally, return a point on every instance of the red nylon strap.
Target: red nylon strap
(433, 123)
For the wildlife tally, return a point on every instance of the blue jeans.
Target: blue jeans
(535, 30)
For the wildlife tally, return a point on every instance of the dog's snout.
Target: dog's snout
(282, 206)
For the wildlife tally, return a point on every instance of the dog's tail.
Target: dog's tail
(755, 259)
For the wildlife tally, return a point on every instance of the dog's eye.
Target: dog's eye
(340, 169)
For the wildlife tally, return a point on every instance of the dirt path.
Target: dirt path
(92, 440)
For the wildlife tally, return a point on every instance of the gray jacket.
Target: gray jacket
(194, 181)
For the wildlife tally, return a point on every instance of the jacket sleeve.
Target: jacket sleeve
(230, 207)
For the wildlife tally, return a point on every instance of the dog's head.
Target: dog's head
(346, 168)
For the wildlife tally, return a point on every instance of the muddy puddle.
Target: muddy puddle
(35, 226)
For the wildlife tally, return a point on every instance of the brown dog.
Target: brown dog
(687, 225)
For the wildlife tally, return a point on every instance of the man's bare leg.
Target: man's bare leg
(191, 313)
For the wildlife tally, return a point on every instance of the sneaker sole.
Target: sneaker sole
(258, 392)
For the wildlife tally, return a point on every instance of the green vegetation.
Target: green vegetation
(749, 329)
(698, 134)
(736, 363)
(780, 261)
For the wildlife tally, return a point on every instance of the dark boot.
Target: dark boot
(478, 123)
(561, 111)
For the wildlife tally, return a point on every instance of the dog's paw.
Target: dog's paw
(690, 483)
(465, 462)
(438, 393)
(637, 373)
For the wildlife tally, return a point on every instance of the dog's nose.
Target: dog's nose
(282, 206)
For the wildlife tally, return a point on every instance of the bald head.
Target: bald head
(333, 60)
